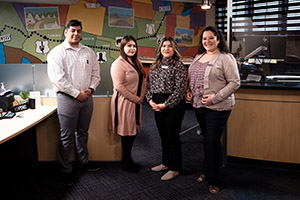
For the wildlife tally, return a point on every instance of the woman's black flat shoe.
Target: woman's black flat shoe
(201, 178)
(214, 189)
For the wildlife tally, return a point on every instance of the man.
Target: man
(75, 73)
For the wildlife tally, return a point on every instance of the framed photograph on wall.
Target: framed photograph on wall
(41, 18)
(184, 36)
(120, 17)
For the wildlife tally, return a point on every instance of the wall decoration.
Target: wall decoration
(42, 47)
(121, 17)
(2, 55)
(159, 37)
(25, 40)
(118, 41)
(184, 36)
(17, 32)
(150, 29)
(5, 38)
(101, 55)
(41, 18)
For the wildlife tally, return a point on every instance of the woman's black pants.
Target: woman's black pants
(127, 143)
(212, 124)
(169, 126)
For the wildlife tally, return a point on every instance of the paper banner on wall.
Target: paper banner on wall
(92, 18)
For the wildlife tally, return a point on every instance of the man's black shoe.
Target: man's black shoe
(136, 165)
(91, 167)
(66, 179)
(129, 167)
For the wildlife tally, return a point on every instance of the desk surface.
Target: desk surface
(10, 128)
(271, 85)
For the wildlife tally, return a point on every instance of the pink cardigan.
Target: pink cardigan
(125, 81)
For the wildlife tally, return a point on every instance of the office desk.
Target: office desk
(18, 135)
(10, 128)
(264, 124)
(18, 144)
(103, 145)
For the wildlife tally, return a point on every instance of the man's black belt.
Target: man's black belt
(59, 92)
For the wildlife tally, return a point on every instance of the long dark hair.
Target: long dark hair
(222, 44)
(136, 63)
(176, 56)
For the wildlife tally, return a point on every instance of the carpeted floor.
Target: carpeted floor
(41, 181)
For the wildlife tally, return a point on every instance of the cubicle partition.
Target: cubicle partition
(34, 77)
(103, 144)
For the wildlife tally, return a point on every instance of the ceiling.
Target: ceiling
(58, 2)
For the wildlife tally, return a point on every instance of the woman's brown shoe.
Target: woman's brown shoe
(201, 178)
(214, 189)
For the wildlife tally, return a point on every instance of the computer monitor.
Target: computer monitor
(267, 46)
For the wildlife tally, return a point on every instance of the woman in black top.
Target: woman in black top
(166, 95)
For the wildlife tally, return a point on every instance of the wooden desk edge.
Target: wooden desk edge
(31, 125)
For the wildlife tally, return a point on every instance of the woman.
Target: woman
(128, 76)
(166, 96)
(214, 77)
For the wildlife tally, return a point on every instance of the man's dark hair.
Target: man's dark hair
(73, 22)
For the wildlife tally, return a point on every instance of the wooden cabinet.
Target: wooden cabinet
(265, 125)
(102, 144)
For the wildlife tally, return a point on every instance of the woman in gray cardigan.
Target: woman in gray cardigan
(213, 78)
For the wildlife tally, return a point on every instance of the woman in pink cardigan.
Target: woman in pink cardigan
(128, 76)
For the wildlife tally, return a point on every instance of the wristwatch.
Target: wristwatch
(92, 90)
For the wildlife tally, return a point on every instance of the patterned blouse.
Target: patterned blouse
(196, 76)
(166, 79)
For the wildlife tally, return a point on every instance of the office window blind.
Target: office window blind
(260, 16)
